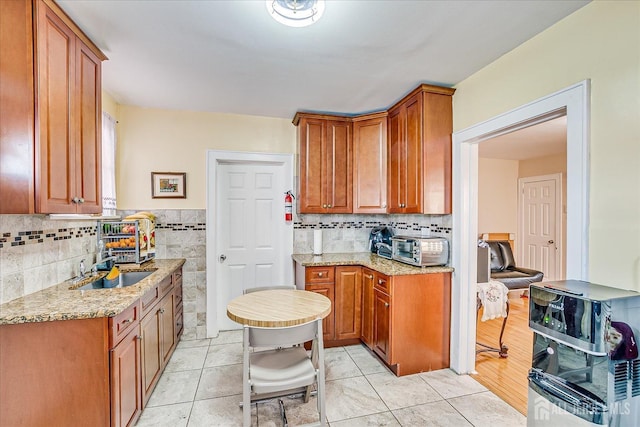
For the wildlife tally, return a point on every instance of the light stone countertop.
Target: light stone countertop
(59, 302)
(366, 259)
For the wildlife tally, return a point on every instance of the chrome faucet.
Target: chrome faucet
(81, 269)
(94, 267)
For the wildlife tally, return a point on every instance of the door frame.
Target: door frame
(215, 158)
(559, 238)
(574, 101)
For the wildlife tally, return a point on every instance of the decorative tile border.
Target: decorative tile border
(397, 225)
(21, 238)
(181, 227)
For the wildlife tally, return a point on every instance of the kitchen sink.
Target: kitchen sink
(127, 278)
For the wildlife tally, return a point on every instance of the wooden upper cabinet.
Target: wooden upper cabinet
(370, 163)
(17, 108)
(69, 106)
(50, 106)
(325, 164)
(420, 129)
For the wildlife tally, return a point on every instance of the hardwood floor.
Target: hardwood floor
(507, 377)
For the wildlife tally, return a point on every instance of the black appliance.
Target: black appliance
(380, 240)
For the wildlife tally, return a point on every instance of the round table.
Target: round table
(278, 308)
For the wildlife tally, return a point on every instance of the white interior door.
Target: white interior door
(250, 244)
(540, 220)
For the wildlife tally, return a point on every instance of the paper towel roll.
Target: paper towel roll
(317, 242)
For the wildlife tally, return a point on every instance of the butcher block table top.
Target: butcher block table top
(278, 308)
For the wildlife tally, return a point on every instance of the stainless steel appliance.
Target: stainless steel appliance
(420, 251)
(380, 241)
(585, 367)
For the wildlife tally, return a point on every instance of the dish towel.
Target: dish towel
(493, 296)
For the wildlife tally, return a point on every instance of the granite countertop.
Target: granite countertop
(366, 259)
(59, 302)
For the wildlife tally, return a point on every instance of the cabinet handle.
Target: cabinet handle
(380, 281)
(386, 304)
(319, 274)
(80, 200)
(75, 200)
(125, 321)
(369, 276)
(329, 206)
(139, 337)
(384, 205)
(324, 206)
(161, 311)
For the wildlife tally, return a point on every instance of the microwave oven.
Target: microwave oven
(420, 251)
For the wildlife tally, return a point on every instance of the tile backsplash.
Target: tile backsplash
(37, 252)
(350, 233)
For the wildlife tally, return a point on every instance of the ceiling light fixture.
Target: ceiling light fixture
(296, 13)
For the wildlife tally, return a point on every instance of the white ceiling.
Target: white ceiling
(541, 140)
(231, 57)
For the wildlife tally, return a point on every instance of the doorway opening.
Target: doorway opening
(520, 199)
(248, 242)
(572, 102)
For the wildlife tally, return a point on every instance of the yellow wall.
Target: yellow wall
(601, 42)
(497, 196)
(109, 105)
(177, 141)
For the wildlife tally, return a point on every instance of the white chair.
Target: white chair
(286, 370)
(269, 288)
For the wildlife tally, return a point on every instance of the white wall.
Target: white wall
(497, 196)
(601, 42)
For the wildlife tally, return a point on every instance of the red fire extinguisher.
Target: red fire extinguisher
(288, 206)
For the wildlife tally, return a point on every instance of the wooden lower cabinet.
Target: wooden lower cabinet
(381, 324)
(328, 328)
(157, 330)
(343, 286)
(348, 297)
(87, 372)
(126, 381)
(412, 322)
(366, 328)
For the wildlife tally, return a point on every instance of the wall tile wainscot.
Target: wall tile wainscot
(37, 252)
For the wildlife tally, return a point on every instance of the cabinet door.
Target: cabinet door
(150, 353)
(311, 133)
(16, 108)
(348, 302)
(370, 165)
(397, 118)
(338, 178)
(55, 152)
(89, 130)
(412, 156)
(382, 325)
(328, 332)
(366, 331)
(126, 395)
(167, 326)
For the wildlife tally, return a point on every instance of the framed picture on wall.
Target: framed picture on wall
(168, 185)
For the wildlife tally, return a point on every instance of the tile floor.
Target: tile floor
(201, 386)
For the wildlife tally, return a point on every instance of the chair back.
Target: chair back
(285, 336)
(268, 288)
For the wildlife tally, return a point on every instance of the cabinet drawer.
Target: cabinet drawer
(315, 275)
(149, 299)
(177, 290)
(382, 283)
(165, 286)
(121, 324)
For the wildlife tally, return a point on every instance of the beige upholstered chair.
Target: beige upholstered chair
(284, 370)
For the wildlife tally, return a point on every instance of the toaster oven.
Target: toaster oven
(420, 251)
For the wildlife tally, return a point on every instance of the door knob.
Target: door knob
(222, 258)
(550, 242)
